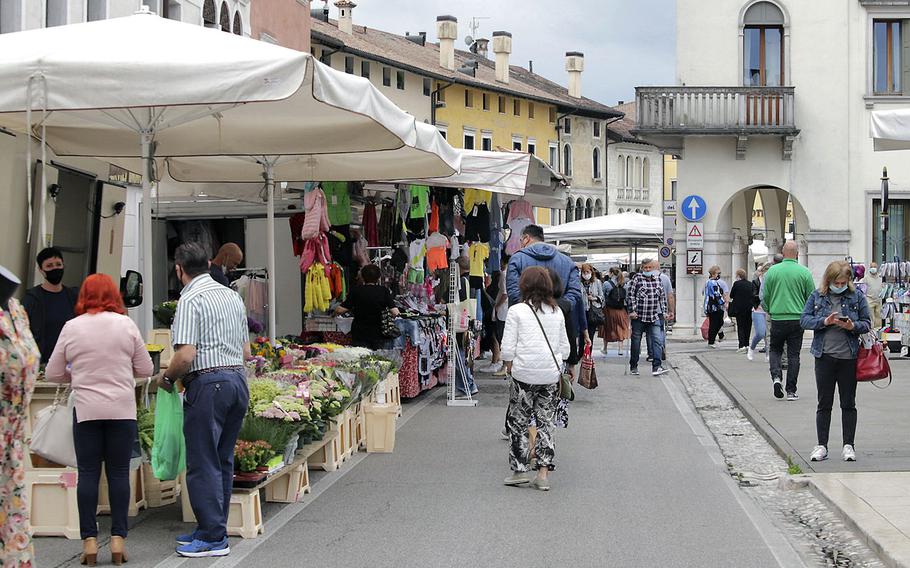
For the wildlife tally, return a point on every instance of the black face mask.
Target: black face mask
(54, 276)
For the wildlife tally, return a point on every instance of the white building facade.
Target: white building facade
(775, 98)
(584, 163)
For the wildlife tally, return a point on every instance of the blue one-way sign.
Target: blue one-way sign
(694, 208)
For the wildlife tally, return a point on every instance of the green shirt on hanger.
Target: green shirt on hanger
(420, 200)
(338, 202)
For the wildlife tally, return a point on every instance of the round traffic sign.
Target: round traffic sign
(665, 252)
(694, 208)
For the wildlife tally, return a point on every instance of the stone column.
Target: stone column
(824, 246)
(689, 299)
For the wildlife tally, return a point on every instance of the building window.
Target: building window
(620, 171)
(225, 18)
(598, 208)
(443, 131)
(386, 77)
(673, 189)
(888, 56)
(55, 12)
(596, 124)
(554, 156)
(647, 211)
(579, 209)
(326, 57)
(589, 209)
(238, 24)
(441, 95)
(552, 113)
(570, 211)
(595, 158)
(427, 87)
(516, 144)
(209, 16)
(486, 101)
(567, 160)
(516, 107)
(530, 110)
(468, 98)
(349, 65)
(486, 141)
(629, 170)
(637, 180)
(468, 139)
(532, 146)
(567, 125)
(646, 174)
(763, 46)
(399, 80)
(365, 69)
(502, 104)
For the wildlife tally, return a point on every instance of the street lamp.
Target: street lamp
(884, 215)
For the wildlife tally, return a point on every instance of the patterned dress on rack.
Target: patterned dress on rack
(19, 359)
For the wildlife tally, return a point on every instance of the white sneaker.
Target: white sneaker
(483, 355)
(659, 371)
(849, 453)
(605, 352)
(820, 453)
(750, 354)
(492, 368)
(742, 350)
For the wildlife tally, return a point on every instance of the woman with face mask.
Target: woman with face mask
(593, 297)
(838, 314)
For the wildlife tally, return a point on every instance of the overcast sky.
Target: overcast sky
(627, 43)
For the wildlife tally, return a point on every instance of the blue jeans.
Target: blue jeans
(759, 329)
(213, 410)
(654, 338)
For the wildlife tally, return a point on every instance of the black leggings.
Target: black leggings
(715, 325)
(110, 442)
(831, 373)
(744, 329)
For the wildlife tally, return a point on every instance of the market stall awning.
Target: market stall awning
(891, 129)
(610, 230)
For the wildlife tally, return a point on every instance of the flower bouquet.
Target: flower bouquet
(164, 313)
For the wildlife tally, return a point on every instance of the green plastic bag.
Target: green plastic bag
(169, 447)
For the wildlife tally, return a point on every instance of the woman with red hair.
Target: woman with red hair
(99, 353)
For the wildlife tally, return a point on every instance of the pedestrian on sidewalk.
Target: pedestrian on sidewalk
(100, 353)
(717, 299)
(788, 286)
(592, 298)
(211, 342)
(647, 304)
(616, 326)
(534, 347)
(759, 323)
(742, 299)
(838, 314)
(500, 314)
(873, 281)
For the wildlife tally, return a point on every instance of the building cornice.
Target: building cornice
(884, 3)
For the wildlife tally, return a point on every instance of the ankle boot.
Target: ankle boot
(118, 550)
(89, 552)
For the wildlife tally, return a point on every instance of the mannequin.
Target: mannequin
(8, 285)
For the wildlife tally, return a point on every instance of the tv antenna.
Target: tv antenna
(474, 25)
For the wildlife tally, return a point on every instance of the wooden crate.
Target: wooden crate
(327, 456)
(291, 486)
(245, 515)
(51, 497)
(159, 493)
(137, 493)
(380, 421)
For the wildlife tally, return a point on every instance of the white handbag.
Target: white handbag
(52, 434)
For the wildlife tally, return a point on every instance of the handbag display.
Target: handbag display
(389, 327)
(588, 377)
(565, 379)
(871, 363)
(52, 434)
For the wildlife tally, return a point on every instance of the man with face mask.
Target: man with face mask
(50, 305)
(873, 282)
(646, 303)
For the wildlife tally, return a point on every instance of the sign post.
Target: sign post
(694, 208)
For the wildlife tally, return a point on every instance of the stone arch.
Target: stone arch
(209, 14)
(589, 208)
(570, 210)
(579, 209)
(225, 18)
(238, 23)
(595, 163)
(598, 208)
(749, 10)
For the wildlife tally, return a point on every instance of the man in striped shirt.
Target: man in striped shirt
(210, 345)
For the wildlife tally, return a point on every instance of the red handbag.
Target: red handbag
(872, 365)
(705, 327)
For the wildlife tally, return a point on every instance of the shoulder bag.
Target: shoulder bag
(52, 434)
(871, 363)
(565, 379)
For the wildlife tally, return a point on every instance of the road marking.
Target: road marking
(247, 546)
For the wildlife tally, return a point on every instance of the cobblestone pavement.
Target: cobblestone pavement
(813, 529)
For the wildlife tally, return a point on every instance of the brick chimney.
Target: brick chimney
(502, 47)
(481, 47)
(345, 18)
(575, 64)
(447, 32)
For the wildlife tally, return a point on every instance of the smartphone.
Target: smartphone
(843, 318)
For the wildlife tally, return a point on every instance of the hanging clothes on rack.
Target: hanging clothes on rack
(521, 214)
(296, 222)
(368, 222)
(338, 201)
(317, 217)
(315, 250)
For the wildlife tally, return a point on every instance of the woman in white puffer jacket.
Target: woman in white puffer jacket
(534, 345)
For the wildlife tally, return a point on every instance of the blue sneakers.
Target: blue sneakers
(201, 549)
(183, 539)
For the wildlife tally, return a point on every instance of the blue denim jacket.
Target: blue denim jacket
(818, 308)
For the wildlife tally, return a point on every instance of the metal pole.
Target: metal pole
(147, 264)
(884, 215)
(269, 175)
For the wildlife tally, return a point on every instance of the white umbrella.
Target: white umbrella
(621, 228)
(891, 129)
(99, 86)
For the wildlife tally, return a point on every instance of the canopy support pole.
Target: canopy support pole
(269, 175)
(146, 136)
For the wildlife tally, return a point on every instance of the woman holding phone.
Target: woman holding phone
(838, 314)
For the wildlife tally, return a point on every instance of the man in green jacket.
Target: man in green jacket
(787, 287)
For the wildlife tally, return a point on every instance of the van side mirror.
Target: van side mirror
(131, 289)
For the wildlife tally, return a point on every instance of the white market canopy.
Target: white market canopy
(609, 230)
(891, 129)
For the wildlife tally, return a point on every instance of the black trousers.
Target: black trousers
(715, 325)
(109, 442)
(744, 328)
(787, 333)
(831, 372)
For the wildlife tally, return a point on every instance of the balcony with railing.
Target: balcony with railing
(666, 114)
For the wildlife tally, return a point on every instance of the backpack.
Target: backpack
(616, 298)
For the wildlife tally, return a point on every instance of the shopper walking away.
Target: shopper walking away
(592, 299)
(616, 325)
(367, 302)
(717, 298)
(838, 314)
(742, 299)
(100, 353)
(665, 320)
(759, 325)
(535, 252)
(534, 346)
(500, 314)
(210, 345)
(873, 281)
(228, 258)
(50, 305)
(646, 303)
(787, 287)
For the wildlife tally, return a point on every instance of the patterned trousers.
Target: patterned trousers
(539, 402)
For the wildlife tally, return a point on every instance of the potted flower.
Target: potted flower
(165, 312)
(247, 458)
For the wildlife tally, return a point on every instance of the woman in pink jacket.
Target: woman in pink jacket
(99, 353)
